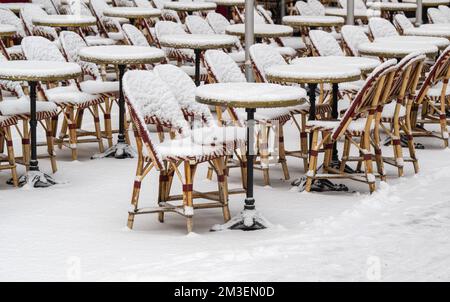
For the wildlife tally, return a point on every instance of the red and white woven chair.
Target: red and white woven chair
(27, 14)
(150, 101)
(436, 16)
(72, 101)
(11, 51)
(352, 36)
(110, 27)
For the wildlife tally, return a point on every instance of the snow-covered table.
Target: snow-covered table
(64, 21)
(440, 43)
(313, 21)
(429, 3)
(249, 96)
(366, 65)
(238, 3)
(132, 12)
(190, 7)
(313, 72)
(387, 9)
(34, 72)
(121, 55)
(261, 30)
(396, 49)
(342, 12)
(16, 7)
(198, 43)
(429, 30)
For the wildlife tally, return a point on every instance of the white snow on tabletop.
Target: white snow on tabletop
(430, 32)
(313, 71)
(396, 5)
(261, 29)
(312, 19)
(397, 48)
(428, 1)
(227, 2)
(358, 62)
(127, 12)
(121, 52)
(223, 67)
(250, 92)
(37, 69)
(197, 41)
(64, 19)
(439, 42)
(342, 12)
(445, 26)
(6, 28)
(190, 6)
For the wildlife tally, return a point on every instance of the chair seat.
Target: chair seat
(293, 42)
(185, 149)
(238, 56)
(287, 51)
(389, 109)
(70, 95)
(303, 108)
(6, 121)
(97, 87)
(116, 36)
(355, 127)
(218, 135)
(21, 108)
(99, 41)
(436, 90)
(190, 70)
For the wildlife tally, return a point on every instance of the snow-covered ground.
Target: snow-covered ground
(77, 230)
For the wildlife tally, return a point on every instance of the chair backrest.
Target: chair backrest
(317, 7)
(47, 5)
(71, 44)
(353, 36)
(9, 18)
(183, 88)
(359, 4)
(440, 71)
(150, 101)
(304, 9)
(265, 14)
(436, 16)
(368, 96)
(217, 22)
(41, 49)
(222, 67)
(134, 35)
(402, 22)
(143, 3)
(445, 10)
(380, 27)
(98, 6)
(79, 7)
(167, 14)
(197, 25)
(28, 13)
(264, 56)
(168, 28)
(10, 86)
(325, 43)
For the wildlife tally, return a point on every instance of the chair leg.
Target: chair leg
(223, 187)
(72, 125)
(26, 144)
(328, 146)
(64, 130)
(282, 153)
(367, 158)
(50, 145)
(187, 195)
(345, 153)
(313, 153)
(304, 143)
(11, 158)
(264, 153)
(107, 120)
(136, 191)
(98, 131)
(163, 178)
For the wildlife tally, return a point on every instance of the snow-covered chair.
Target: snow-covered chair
(27, 14)
(433, 97)
(304, 9)
(167, 14)
(108, 26)
(150, 101)
(17, 105)
(358, 121)
(445, 11)
(396, 110)
(217, 22)
(134, 36)
(380, 27)
(436, 16)
(222, 69)
(8, 162)
(325, 44)
(317, 7)
(93, 82)
(353, 36)
(70, 98)
(198, 25)
(402, 23)
(9, 18)
(48, 5)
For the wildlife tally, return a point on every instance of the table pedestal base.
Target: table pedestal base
(35, 179)
(119, 150)
(247, 220)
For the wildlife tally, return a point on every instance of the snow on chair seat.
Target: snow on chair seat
(6, 121)
(436, 90)
(20, 108)
(355, 127)
(70, 95)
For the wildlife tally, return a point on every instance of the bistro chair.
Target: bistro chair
(11, 51)
(445, 11)
(27, 14)
(436, 16)
(358, 121)
(108, 26)
(72, 101)
(352, 36)
(380, 27)
(145, 95)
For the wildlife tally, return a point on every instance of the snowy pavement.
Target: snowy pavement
(77, 230)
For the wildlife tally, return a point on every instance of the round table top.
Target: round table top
(16, 7)
(366, 65)
(261, 30)
(26, 70)
(393, 6)
(342, 12)
(64, 20)
(190, 6)
(313, 73)
(239, 3)
(395, 49)
(250, 95)
(7, 30)
(430, 32)
(439, 26)
(429, 3)
(441, 43)
(313, 20)
(131, 12)
(198, 41)
(121, 54)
